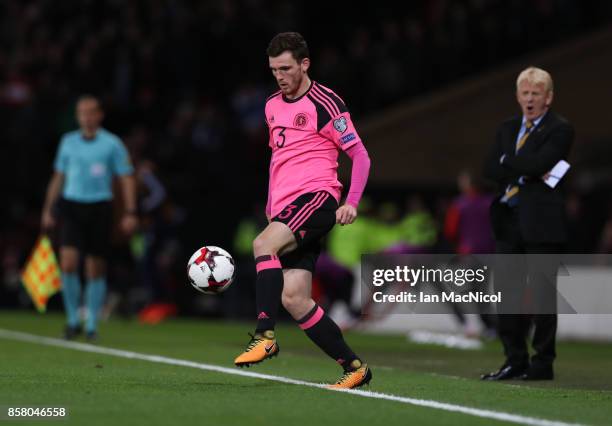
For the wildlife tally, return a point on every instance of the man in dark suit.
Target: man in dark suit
(528, 217)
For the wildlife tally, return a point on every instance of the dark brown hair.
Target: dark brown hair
(289, 41)
(89, 97)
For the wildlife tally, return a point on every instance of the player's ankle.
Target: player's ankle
(352, 365)
(267, 334)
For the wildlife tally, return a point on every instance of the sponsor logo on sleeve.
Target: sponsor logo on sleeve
(347, 138)
(340, 124)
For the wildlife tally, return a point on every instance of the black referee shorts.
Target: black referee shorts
(310, 217)
(86, 226)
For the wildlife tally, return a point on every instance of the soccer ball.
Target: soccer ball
(211, 270)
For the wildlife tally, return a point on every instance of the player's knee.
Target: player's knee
(293, 302)
(95, 269)
(68, 266)
(288, 302)
(94, 275)
(262, 246)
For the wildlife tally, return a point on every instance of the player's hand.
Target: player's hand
(47, 221)
(546, 176)
(346, 214)
(129, 223)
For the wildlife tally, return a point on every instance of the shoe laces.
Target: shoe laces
(254, 341)
(345, 376)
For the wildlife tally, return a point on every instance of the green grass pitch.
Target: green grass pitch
(101, 389)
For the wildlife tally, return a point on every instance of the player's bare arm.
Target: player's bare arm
(53, 191)
(129, 220)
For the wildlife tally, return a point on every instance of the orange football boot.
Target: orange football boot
(359, 376)
(261, 346)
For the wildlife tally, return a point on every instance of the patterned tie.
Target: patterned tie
(510, 197)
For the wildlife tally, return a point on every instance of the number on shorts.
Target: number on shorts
(287, 212)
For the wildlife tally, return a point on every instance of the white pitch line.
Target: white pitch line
(84, 347)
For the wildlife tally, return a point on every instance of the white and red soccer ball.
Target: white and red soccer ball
(211, 270)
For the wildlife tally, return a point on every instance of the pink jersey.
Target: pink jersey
(306, 135)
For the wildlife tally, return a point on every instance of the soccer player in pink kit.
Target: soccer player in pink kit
(308, 125)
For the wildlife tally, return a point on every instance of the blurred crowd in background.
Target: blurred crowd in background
(184, 84)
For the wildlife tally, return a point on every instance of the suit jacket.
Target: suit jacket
(541, 209)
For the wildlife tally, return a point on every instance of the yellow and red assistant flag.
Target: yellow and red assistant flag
(41, 275)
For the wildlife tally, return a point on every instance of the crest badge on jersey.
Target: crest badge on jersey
(340, 124)
(300, 120)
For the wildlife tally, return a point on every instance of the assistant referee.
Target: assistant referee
(80, 194)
